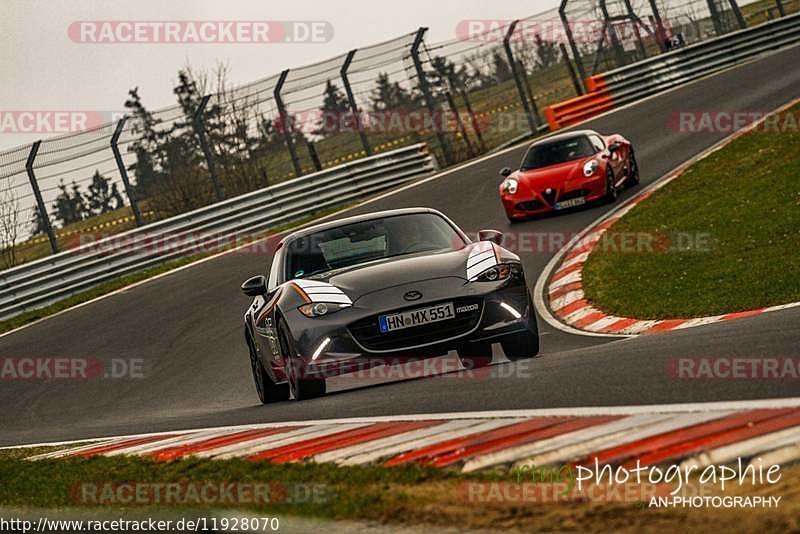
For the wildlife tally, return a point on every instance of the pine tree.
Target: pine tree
(147, 147)
(334, 105)
(547, 52)
(69, 205)
(36, 222)
(502, 72)
(391, 96)
(103, 195)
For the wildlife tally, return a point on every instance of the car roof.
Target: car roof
(354, 219)
(564, 136)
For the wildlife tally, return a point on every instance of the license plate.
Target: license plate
(420, 316)
(571, 203)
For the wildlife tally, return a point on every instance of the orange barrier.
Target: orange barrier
(595, 101)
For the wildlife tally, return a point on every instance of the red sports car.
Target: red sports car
(568, 170)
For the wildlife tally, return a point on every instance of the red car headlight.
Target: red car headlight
(510, 186)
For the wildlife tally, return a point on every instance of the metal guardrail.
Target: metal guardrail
(39, 283)
(666, 71)
(681, 66)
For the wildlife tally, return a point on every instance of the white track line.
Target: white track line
(186, 439)
(266, 445)
(691, 407)
(779, 457)
(383, 448)
(653, 427)
(260, 443)
(597, 438)
(747, 448)
(68, 452)
(565, 440)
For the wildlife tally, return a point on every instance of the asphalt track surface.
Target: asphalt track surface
(187, 326)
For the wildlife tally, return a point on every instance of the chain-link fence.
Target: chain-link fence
(463, 96)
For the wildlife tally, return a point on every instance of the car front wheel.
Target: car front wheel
(633, 169)
(268, 391)
(611, 190)
(520, 346)
(300, 388)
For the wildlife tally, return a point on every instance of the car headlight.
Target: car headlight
(498, 272)
(510, 186)
(318, 309)
(590, 167)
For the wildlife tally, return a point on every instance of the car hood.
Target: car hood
(363, 279)
(553, 176)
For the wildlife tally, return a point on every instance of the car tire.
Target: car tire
(268, 391)
(299, 388)
(520, 346)
(633, 169)
(475, 355)
(611, 191)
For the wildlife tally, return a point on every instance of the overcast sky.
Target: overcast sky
(45, 70)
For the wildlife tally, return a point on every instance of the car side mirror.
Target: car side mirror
(494, 236)
(613, 147)
(255, 286)
(505, 172)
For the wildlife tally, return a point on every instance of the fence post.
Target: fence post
(712, 9)
(286, 123)
(738, 14)
(661, 35)
(571, 38)
(473, 119)
(635, 21)
(353, 105)
(459, 123)
(200, 130)
(312, 153)
(574, 77)
(123, 172)
(515, 71)
(613, 40)
(48, 228)
(426, 93)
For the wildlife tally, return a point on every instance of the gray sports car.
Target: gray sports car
(381, 288)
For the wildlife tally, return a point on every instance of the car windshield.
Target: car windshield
(371, 240)
(544, 155)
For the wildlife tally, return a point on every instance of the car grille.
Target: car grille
(529, 205)
(550, 197)
(367, 333)
(578, 193)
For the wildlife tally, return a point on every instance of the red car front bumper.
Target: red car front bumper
(531, 199)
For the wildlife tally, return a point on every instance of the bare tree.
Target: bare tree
(9, 226)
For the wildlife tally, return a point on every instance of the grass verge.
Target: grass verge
(731, 229)
(407, 495)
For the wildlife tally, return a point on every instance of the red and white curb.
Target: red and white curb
(702, 434)
(564, 294)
